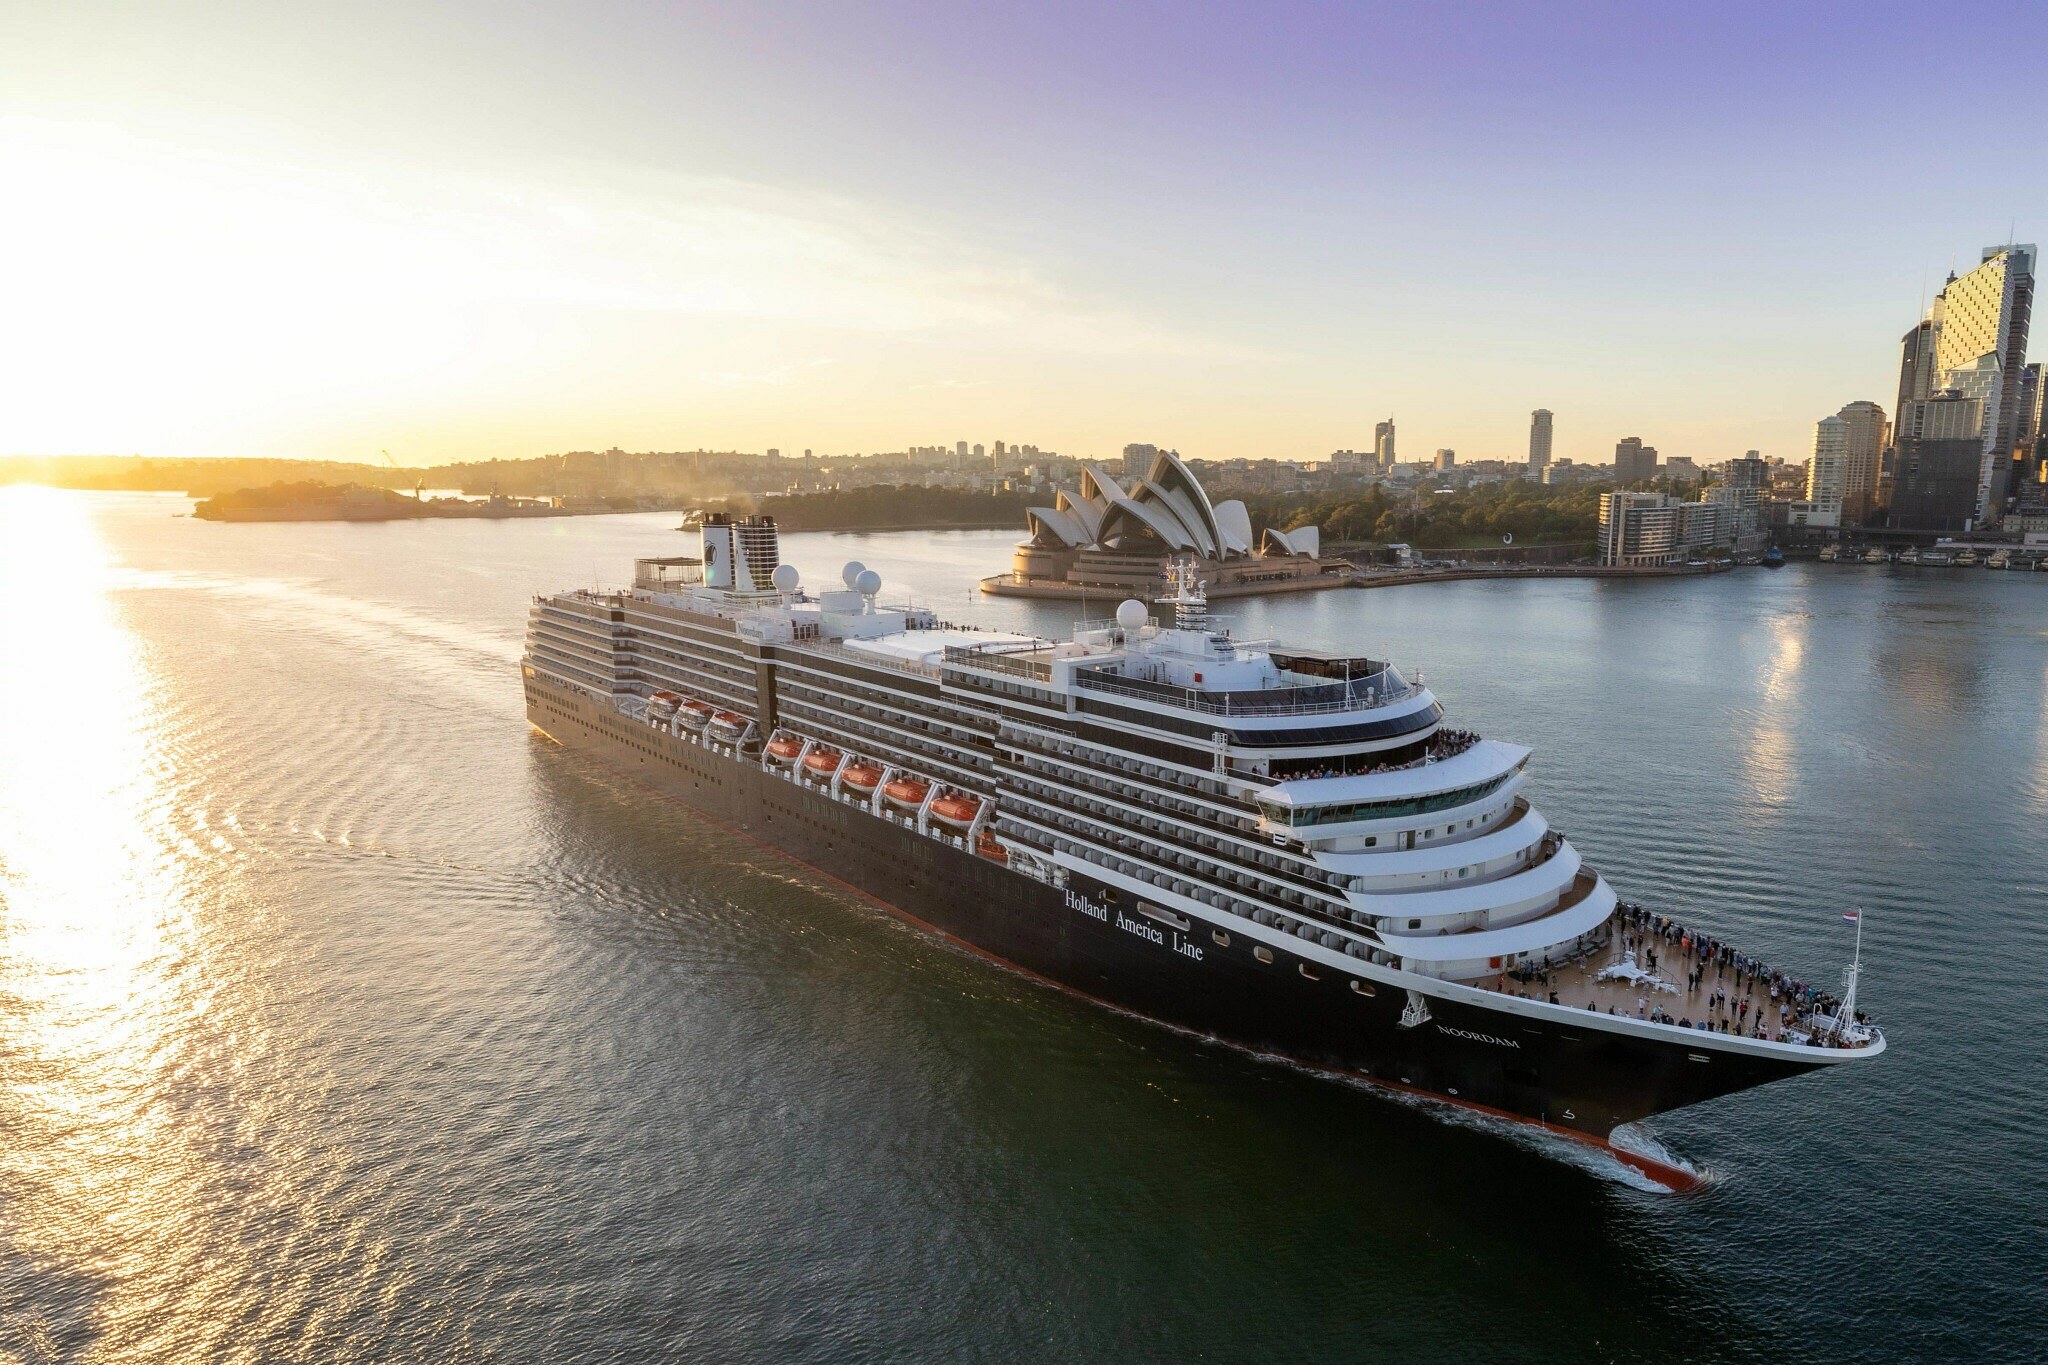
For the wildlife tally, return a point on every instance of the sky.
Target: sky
(466, 230)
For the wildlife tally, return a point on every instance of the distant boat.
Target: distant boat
(1830, 553)
(1966, 557)
(1774, 558)
(1875, 555)
(1999, 560)
(1939, 558)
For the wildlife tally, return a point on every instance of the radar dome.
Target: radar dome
(785, 578)
(867, 583)
(1132, 615)
(852, 572)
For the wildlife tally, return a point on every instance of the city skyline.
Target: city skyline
(465, 234)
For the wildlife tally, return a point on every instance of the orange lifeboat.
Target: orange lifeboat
(988, 848)
(785, 749)
(671, 698)
(729, 724)
(694, 713)
(822, 761)
(957, 809)
(860, 777)
(906, 793)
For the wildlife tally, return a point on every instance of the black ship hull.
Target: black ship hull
(1575, 1079)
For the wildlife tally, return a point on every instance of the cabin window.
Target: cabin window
(1222, 939)
(1263, 953)
(1303, 968)
(1362, 988)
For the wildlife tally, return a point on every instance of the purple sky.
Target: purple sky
(1237, 229)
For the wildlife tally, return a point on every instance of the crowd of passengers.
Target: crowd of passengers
(1443, 744)
(1737, 994)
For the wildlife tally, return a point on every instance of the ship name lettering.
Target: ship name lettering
(1185, 948)
(1138, 927)
(1478, 1037)
(1077, 901)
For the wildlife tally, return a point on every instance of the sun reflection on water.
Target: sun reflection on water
(100, 972)
(1768, 757)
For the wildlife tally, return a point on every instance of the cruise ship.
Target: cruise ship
(1279, 848)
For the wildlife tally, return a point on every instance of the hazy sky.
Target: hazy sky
(470, 229)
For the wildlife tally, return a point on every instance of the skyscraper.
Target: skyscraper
(1937, 460)
(1634, 462)
(1539, 439)
(1383, 445)
(2028, 487)
(1980, 347)
(1861, 455)
(1827, 469)
(1446, 457)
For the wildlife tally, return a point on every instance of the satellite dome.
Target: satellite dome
(785, 578)
(1132, 615)
(852, 572)
(867, 583)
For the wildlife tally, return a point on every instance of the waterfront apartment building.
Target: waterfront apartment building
(1656, 530)
(1539, 441)
(1634, 462)
(1744, 525)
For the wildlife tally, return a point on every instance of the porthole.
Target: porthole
(1263, 953)
(1222, 939)
(1362, 988)
(1303, 968)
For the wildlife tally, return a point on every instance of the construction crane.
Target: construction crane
(419, 485)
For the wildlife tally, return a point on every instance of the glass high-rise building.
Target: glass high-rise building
(1383, 445)
(1980, 347)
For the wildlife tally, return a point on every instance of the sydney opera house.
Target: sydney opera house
(1111, 537)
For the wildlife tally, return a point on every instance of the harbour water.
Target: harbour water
(345, 1018)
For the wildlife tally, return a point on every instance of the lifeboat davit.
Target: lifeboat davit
(785, 749)
(822, 761)
(663, 704)
(956, 809)
(906, 793)
(988, 848)
(860, 777)
(694, 713)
